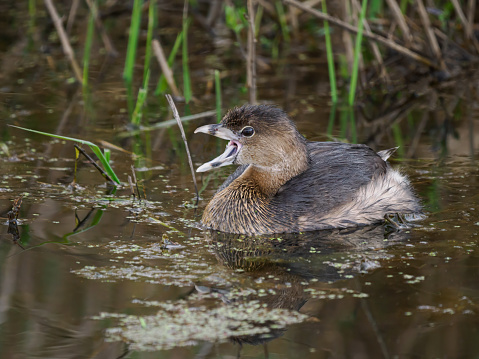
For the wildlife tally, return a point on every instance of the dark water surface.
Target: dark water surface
(98, 274)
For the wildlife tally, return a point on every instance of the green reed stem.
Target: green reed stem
(257, 21)
(162, 83)
(218, 95)
(140, 101)
(131, 51)
(282, 20)
(330, 56)
(149, 38)
(32, 12)
(87, 51)
(375, 8)
(357, 53)
(186, 70)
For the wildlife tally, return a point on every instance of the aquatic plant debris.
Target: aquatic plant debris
(179, 324)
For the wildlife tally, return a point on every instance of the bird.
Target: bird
(286, 184)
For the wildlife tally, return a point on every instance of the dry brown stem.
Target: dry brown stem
(160, 56)
(430, 33)
(67, 49)
(468, 30)
(367, 34)
(110, 49)
(471, 10)
(72, 15)
(346, 36)
(251, 59)
(183, 136)
(268, 6)
(399, 17)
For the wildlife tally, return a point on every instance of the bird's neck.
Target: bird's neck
(268, 180)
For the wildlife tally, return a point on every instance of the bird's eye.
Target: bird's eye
(248, 131)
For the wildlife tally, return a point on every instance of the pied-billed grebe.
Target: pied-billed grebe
(287, 184)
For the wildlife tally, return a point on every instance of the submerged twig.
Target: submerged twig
(183, 136)
(103, 173)
(160, 56)
(67, 49)
(251, 59)
(370, 35)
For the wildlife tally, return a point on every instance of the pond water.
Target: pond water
(97, 273)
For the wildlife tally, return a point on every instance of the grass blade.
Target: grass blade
(329, 53)
(186, 70)
(183, 136)
(140, 101)
(357, 53)
(282, 21)
(96, 150)
(87, 52)
(131, 51)
(218, 95)
(149, 39)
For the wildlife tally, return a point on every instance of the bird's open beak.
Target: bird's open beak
(232, 148)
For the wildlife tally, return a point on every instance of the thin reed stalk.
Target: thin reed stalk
(218, 95)
(399, 17)
(330, 57)
(67, 49)
(436, 50)
(375, 48)
(149, 38)
(72, 15)
(110, 49)
(32, 12)
(183, 136)
(140, 102)
(251, 58)
(165, 68)
(131, 51)
(163, 82)
(398, 139)
(257, 19)
(186, 70)
(357, 53)
(282, 20)
(87, 51)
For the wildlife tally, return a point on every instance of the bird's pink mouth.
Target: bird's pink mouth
(233, 147)
(227, 158)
